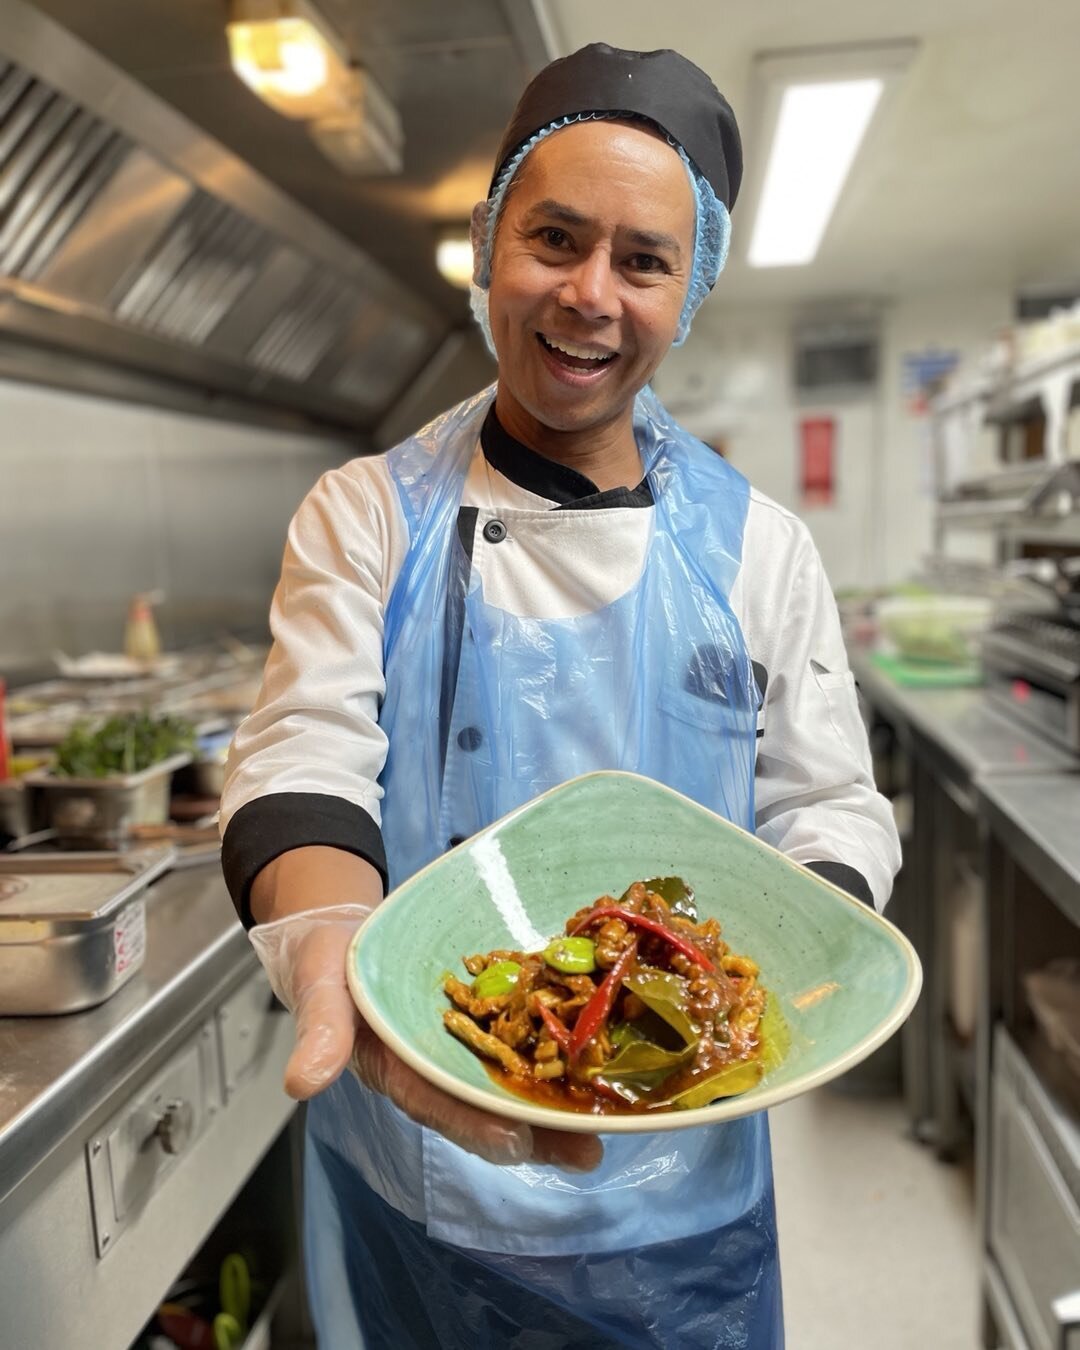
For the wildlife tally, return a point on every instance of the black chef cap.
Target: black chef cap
(662, 86)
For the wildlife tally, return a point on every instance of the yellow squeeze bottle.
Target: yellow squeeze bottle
(141, 639)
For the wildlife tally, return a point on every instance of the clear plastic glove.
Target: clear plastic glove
(304, 956)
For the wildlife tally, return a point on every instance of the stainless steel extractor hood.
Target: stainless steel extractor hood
(131, 240)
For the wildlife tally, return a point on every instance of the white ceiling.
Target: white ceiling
(968, 178)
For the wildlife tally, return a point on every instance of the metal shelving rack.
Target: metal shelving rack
(1034, 499)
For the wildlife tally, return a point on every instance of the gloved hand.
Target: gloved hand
(304, 956)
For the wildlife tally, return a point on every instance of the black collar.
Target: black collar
(547, 478)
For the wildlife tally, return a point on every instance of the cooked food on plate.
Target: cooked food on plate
(636, 1007)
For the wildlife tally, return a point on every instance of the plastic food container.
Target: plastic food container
(935, 627)
(99, 812)
(72, 927)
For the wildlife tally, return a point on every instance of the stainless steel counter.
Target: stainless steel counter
(55, 1070)
(1038, 820)
(129, 1132)
(962, 732)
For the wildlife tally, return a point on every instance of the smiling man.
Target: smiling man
(549, 579)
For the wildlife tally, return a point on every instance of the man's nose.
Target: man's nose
(592, 287)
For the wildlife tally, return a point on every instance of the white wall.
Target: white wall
(732, 379)
(100, 499)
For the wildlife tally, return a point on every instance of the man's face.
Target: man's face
(591, 264)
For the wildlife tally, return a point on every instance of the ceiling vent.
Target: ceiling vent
(836, 356)
(130, 238)
(54, 159)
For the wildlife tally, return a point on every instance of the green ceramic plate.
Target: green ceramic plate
(845, 977)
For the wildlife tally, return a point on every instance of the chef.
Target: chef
(551, 578)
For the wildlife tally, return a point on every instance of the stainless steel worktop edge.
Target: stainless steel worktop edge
(969, 736)
(56, 1071)
(1038, 818)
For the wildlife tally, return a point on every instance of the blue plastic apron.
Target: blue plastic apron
(484, 709)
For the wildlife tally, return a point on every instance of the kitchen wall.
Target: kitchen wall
(733, 381)
(99, 499)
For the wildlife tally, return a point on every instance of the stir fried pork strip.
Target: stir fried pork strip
(461, 994)
(465, 1029)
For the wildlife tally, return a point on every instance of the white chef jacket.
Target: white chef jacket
(305, 764)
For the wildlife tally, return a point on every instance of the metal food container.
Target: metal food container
(72, 927)
(99, 812)
(14, 808)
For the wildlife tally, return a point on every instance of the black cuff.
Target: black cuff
(847, 878)
(269, 826)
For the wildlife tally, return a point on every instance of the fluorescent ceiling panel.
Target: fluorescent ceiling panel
(818, 131)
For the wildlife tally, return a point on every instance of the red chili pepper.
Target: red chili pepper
(560, 1034)
(595, 1013)
(628, 916)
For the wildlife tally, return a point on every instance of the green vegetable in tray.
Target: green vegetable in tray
(124, 744)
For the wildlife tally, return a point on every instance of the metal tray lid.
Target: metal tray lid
(74, 887)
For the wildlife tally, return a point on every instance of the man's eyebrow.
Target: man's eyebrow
(554, 210)
(550, 209)
(661, 242)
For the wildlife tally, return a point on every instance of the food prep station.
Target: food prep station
(144, 1130)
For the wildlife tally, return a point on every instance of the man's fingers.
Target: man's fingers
(499, 1141)
(573, 1152)
(493, 1138)
(326, 1025)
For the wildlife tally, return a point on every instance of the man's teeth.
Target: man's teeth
(579, 353)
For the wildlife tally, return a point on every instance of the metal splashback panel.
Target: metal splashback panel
(127, 234)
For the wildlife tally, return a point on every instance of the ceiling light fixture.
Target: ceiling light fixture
(287, 54)
(454, 256)
(816, 107)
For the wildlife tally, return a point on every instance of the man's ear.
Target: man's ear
(477, 235)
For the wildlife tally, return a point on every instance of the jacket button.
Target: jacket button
(470, 738)
(494, 531)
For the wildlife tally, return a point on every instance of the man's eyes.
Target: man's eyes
(554, 238)
(647, 262)
(644, 263)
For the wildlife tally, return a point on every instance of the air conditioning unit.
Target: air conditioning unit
(836, 356)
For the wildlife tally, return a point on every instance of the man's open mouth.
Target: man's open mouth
(576, 357)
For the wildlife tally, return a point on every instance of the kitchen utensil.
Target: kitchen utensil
(72, 927)
(99, 812)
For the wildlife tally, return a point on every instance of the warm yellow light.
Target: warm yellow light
(290, 65)
(454, 259)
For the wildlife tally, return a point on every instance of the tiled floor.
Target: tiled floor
(877, 1238)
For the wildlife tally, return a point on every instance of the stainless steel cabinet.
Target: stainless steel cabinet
(1034, 1201)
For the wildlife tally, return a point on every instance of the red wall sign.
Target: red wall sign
(817, 443)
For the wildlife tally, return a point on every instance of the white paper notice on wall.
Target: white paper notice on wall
(129, 938)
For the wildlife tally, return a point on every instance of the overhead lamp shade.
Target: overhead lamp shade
(286, 56)
(454, 258)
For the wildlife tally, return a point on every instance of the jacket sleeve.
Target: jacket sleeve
(815, 798)
(304, 765)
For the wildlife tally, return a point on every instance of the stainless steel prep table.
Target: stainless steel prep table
(954, 739)
(126, 1130)
(1028, 1108)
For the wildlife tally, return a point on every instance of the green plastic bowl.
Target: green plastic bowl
(845, 977)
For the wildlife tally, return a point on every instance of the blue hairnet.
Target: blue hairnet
(712, 229)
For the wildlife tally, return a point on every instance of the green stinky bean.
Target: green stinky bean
(498, 979)
(571, 955)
